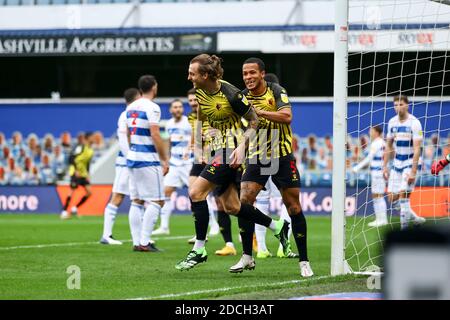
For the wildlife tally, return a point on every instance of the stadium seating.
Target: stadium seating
(314, 159)
(44, 160)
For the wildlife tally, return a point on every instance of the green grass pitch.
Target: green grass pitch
(36, 250)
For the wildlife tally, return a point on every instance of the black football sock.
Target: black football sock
(83, 200)
(225, 226)
(254, 215)
(201, 218)
(300, 235)
(246, 229)
(67, 202)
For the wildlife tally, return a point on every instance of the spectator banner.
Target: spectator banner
(426, 201)
(29, 199)
(323, 41)
(108, 44)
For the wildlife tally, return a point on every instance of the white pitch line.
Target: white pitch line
(70, 244)
(190, 293)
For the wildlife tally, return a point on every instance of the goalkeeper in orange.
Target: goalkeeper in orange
(439, 165)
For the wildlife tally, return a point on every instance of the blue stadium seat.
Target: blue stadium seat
(59, 2)
(73, 1)
(12, 2)
(104, 1)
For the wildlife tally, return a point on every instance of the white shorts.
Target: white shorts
(398, 181)
(378, 184)
(146, 184)
(271, 191)
(177, 177)
(121, 181)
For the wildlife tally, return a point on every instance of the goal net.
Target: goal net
(398, 47)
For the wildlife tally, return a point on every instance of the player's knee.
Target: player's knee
(196, 194)
(294, 209)
(117, 199)
(247, 198)
(231, 209)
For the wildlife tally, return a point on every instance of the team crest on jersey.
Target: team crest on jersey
(212, 169)
(271, 102)
(218, 106)
(284, 98)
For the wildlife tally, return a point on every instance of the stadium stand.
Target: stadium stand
(40, 161)
(35, 160)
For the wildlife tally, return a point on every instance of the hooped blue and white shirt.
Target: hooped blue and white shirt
(404, 133)
(141, 114)
(374, 158)
(180, 137)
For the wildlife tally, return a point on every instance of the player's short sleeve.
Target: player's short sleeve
(154, 114)
(280, 95)
(416, 128)
(237, 99)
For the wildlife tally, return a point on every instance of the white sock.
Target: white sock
(229, 244)
(260, 231)
(212, 216)
(404, 213)
(380, 208)
(199, 244)
(135, 220)
(412, 214)
(285, 216)
(108, 220)
(166, 211)
(148, 223)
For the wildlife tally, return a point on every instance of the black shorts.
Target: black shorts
(285, 174)
(196, 169)
(78, 181)
(222, 175)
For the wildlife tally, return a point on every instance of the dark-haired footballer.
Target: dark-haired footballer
(270, 153)
(121, 180)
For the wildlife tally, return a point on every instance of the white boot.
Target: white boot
(245, 263)
(305, 269)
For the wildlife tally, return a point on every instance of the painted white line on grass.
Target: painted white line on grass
(191, 293)
(71, 244)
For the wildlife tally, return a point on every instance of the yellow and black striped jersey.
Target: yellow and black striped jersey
(223, 110)
(279, 135)
(192, 118)
(80, 160)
